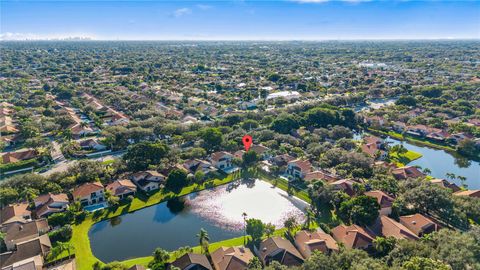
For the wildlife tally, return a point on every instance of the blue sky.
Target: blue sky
(230, 20)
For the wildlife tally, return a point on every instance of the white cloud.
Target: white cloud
(203, 7)
(182, 11)
(31, 36)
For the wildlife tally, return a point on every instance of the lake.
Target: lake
(176, 223)
(441, 162)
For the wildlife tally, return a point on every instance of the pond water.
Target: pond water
(441, 162)
(176, 223)
(375, 104)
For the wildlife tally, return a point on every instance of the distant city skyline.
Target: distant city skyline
(239, 20)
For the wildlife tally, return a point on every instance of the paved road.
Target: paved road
(63, 165)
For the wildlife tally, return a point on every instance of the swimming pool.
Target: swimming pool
(95, 207)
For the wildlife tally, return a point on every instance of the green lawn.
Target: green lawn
(404, 158)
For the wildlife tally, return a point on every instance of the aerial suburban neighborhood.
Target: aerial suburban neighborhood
(239, 154)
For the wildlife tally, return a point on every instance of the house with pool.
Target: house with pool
(89, 194)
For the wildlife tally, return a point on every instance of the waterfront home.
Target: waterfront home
(445, 184)
(231, 258)
(468, 193)
(383, 200)
(194, 165)
(280, 250)
(122, 188)
(298, 168)
(49, 203)
(458, 137)
(417, 130)
(221, 160)
(89, 193)
(27, 255)
(419, 224)
(307, 242)
(374, 149)
(19, 155)
(353, 236)
(15, 213)
(387, 227)
(148, 180)
(399, 126)
(191, 261)
(407, 172)
(18, 233)
(437, 134)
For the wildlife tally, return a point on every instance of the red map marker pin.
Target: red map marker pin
(247, 142)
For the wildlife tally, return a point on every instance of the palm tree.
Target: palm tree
(244, 215)
(462, 180)
(451, 176)
(203, 239)
(309, 216)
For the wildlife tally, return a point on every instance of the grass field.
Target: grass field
(404, 158)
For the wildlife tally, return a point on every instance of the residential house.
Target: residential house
(192, 261)
(48, 204)
(387, 227)
(18, 233)
(89, 193)
(92, 144)
(262, 151)
(320, 175)
(148, 180)
(417, 130)
(193, 165)
(399, 126)
(374, 120)
(231, 258)
(280, 250)
(27, 255)
(444, 183)
(419, 224)
(437, 134)
(353, 236)
(307, 242)
(468, 193)
(15, 213)
(374, 147)
(458, 137)
(407, 172)
(298, 168)
(282, 160)
(345, 185)
(19, 155)
(122, 188)
(383, 200)
(221, 160)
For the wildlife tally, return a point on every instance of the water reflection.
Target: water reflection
(115, 221)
